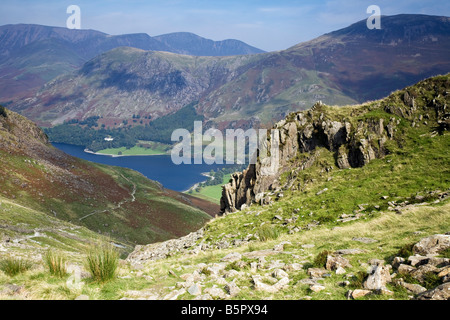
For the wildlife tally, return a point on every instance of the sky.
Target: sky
(266, 24)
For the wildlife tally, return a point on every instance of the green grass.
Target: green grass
(268, 232)
(212, 193)
(14, 266)
(56, 263)
(135, 151)
(102, 263)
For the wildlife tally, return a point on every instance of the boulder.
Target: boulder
(232, 289)
(378, 277)
(232, 257)
(414, 288)
(404, 269)
(441, 292)
(358, 293)
(279, 274)
(317, 288)
(334, 262)
(432, 245)
(417, 260)
(422, 272)
(195, 290)
(261, 286)
(397, 262)
(316, 272)
(215, 292)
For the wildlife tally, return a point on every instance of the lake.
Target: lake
(159, 168)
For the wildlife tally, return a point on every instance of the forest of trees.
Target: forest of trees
(87, 134)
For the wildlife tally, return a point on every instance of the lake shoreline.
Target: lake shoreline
(123, 155)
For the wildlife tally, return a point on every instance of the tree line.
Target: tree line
(87, 133)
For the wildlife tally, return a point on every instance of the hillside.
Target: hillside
(31, 55)
(348, 66)
(353, 213)
(360, 213)
(49, 188)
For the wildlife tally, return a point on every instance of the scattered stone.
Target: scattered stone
(82, 297)
(174, 294)
(317, 288)
(349, 251)
(358, 293)
(279, 274)
(232, 257)
(422, 272)
(334, 262)
(397, 262)
(308, 246)
(216, 268)
(404, 269)
(365, 240)
(232, 289)
(260, 253)
(417, 260)
(385, 291)
(277, 264)
(316, 272)
(340, 270)
(321, 191)
(280, 247)
(261, 286)
(195, 290)
(293, 267)
(215, 292)
(432, 245)
(231, 274)
(445, 272)
(414, 288)
(378, 277)
(221, 281)
(203, 297)
(441, 292)
(344, 283)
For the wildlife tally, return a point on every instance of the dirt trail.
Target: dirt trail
(119, 205)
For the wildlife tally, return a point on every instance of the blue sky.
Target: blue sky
(266, 24)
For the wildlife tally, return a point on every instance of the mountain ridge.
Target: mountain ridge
(82, 44)
(338, 70)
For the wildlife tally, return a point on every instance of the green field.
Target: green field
(155, 149)
(212, 193)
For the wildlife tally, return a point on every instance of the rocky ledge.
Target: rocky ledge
(356, 137)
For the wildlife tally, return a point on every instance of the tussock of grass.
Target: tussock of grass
(406, 251)
(14, 266)
(268, 232)
(56, 263)
(102, 263)
(321, 259)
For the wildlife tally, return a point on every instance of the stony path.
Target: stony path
(119, 205)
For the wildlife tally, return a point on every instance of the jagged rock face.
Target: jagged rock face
(355, 141)
(304, 133)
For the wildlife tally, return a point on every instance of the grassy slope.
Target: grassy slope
(391, 230)
(212, 193)
(113, 201)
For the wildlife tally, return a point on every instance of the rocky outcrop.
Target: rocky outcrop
(303, 133)
(161, 250)
(356, 136)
